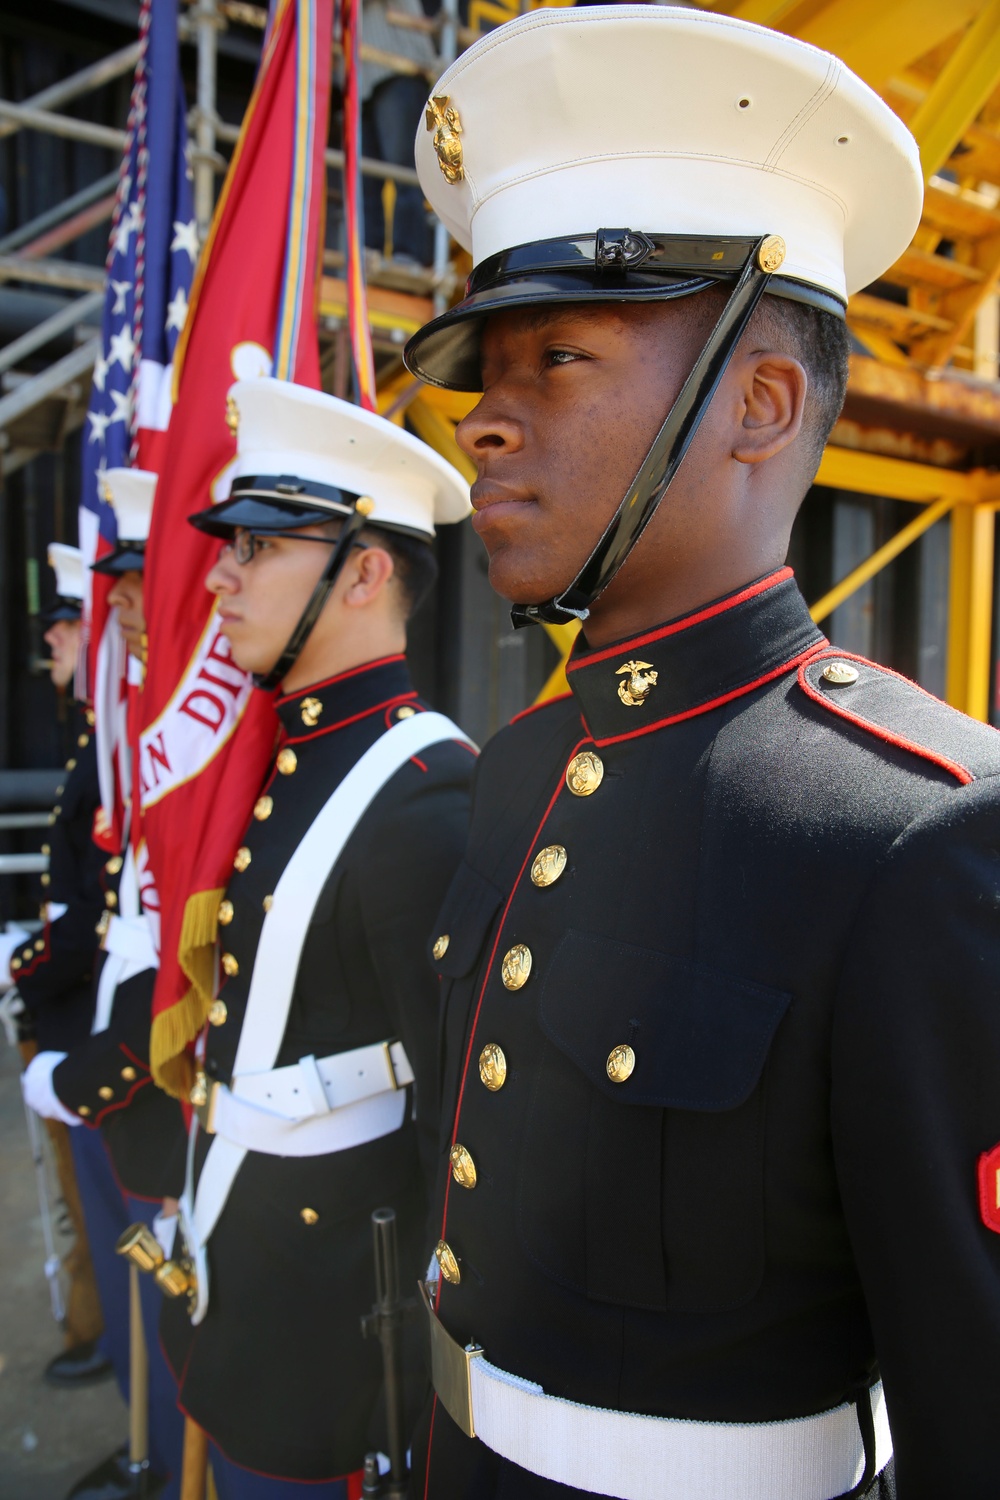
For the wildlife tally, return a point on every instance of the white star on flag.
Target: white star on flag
(122, 348)
(123, 406)
(99, 425)
(186, 238)
(122, 233)
(121, 287)
(177, 309)
(100, 371)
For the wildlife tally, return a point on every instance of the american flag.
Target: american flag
(149, 269)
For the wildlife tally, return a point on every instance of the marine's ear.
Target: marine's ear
(774, 389)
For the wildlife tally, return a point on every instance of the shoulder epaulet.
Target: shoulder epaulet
(899, 712)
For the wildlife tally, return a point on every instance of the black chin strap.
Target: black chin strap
(664, 457)
(363, 507)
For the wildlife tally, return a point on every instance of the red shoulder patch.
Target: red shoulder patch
(989, 1189)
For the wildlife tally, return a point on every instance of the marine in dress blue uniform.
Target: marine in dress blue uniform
(317, 1100)
(716, 1204)
(54, 972)
(131, 1153)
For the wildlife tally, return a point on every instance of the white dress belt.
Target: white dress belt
(637, 1457)
(314, 1106)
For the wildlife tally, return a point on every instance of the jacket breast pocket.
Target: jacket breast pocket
(641, 1181)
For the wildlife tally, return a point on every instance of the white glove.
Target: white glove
(10, 940)
(39, 1095)
(11, 1006)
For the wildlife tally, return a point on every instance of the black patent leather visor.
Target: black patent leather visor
(613, 265)
(128, 557)
(264, 509)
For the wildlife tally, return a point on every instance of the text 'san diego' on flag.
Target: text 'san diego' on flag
(207, 735)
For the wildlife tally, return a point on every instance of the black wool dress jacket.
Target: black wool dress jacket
(54, 972)
(732, 1157)
(278, 1371)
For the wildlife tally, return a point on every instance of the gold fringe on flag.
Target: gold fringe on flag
(171, 1063)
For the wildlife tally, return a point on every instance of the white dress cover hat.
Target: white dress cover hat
(67, 564)
(131, 493)
(668, 123)
(304, 457)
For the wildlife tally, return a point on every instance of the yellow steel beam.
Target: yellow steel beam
(764, 12)
(897, 478)
(879, 40)
(860, 575)
(960, 90)
(440, 434)
(563, 636)
(970, 609)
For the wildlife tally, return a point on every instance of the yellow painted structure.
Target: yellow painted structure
(937, 63)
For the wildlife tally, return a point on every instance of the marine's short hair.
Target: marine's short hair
(822, 345)
(415, 564)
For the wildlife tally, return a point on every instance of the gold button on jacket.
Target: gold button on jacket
(493, 1067)
(621, 1061)
(548, 865)
(445, 1257)
(585, 773)
(463, 1168)
(516, 966)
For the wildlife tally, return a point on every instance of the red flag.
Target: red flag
(207, 734)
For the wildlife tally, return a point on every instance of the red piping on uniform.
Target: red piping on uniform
(534, 707)
(802, 658)
(416, 761)
(486, 980)
(113, 1108)
(685, 622)
(300, 739)
(132, 1056)
(367, 666)
(960, 772)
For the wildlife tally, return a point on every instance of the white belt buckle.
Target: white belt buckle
(451, 1367)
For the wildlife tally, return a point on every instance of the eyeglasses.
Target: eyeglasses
(243, 544)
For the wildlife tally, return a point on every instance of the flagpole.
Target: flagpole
(207, 21)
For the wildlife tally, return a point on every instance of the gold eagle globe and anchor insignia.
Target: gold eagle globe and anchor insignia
(640, 681)
(442, 117)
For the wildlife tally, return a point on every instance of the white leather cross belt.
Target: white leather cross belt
(635, 1457)
(130, 938)
(314, 1106)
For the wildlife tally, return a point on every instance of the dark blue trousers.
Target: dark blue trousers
(108, 1211)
